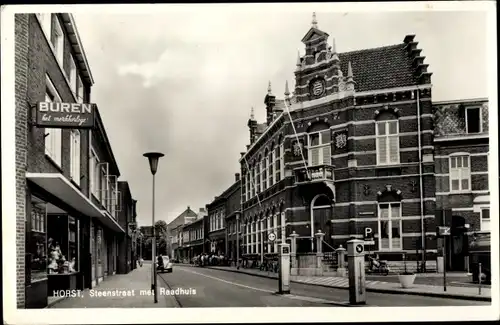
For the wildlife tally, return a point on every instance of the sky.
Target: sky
(183, 82)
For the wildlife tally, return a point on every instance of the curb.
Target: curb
(378, 290)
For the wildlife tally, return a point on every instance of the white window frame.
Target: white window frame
(390, 221)
(387, 137)
(461, 171)
(45, 19)
(485, 223)
(75, 154)
(58, 41)
(282, 161)
(273, 162)
(53, 136)
(480, 119)
(321, 147)
(79, 93)
(73, 75)
(93, 171)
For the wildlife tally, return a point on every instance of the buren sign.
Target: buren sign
(65, 115)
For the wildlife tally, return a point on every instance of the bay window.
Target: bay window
(387, 142)
(75, 156)
(460, 173)
(320, 148)
(390, 227)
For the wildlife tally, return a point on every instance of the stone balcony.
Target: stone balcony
(318, 173)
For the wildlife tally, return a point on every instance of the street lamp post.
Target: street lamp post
(153, 158)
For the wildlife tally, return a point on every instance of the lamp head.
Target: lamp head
(153, 158)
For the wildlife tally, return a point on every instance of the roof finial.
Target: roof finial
(349, 70)
(287, 92)
(269, 92)
(314, 21)
(252, 116)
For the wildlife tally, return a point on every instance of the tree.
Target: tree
(161, 228)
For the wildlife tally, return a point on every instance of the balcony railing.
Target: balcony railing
(314, 174)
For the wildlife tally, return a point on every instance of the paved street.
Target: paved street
(122, 291)
(217, 288)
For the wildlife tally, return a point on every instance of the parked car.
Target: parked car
(163, 264)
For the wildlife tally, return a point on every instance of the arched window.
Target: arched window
(279, 167)
(387, 133)
(460, 177)
(258, 174)
(319, 144)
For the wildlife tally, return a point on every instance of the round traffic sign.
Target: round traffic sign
(359, 248)
(271, 236)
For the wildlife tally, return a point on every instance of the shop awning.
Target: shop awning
(59, 186)
(110, 222)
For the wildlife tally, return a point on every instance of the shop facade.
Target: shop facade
(233, 229)
(64, 237)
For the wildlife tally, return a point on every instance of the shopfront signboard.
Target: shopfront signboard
(65, 115)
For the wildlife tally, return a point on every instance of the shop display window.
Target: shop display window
(38, 240)
(62, 253)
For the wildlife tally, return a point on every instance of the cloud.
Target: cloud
(183, 82)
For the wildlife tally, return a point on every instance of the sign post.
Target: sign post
(444, 232)
(271, 237)
(356, 267)
(284, 275)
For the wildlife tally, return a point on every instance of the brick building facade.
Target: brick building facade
(358, 154)
(233, 212)
(176, 235)
(461, 140)
(66, 216)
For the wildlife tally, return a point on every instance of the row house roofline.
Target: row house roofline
(77, 47)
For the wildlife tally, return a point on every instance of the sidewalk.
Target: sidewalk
(123, 291)
(467, 293)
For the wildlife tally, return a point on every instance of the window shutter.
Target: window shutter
(327, 155)
(382, 150)
(394, 149)
(315, 156)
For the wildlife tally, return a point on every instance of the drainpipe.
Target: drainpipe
(421, 187)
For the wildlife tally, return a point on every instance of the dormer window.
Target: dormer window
(473, 120)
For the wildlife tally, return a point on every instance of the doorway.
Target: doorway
(457, 244)
(321, 214)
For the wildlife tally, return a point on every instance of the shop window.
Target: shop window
(62, 260)
(75, 156)
(460, 173)
(390, 227)
(473, 123)
(388, 142)
(38, 240)
(73, 253)
(320, 148)
(485, 219)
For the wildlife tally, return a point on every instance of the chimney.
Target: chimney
(237, 177)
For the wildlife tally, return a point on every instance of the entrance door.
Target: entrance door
(458, 243)
(321, 214)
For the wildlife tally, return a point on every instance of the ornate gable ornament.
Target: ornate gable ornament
(389, 190)
(388, 109)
